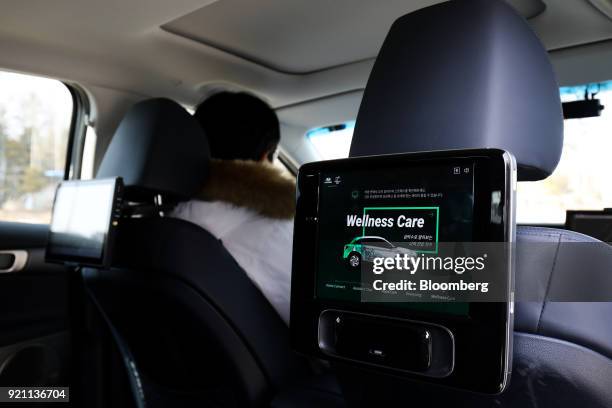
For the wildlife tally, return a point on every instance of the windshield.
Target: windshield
(332, 142)
(581, 181)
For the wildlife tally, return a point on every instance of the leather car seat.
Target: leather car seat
(192, 327)
(472, 74)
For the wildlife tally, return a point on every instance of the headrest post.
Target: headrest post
(159, 204)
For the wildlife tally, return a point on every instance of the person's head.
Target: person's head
(239, 126)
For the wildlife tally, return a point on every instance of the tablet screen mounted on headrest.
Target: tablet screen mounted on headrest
(84, 220)
(368, 228)
(390, 213)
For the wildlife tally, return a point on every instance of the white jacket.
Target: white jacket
(254, 226)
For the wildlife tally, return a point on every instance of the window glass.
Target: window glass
(332, 142)
(35, 116)
(581, 181)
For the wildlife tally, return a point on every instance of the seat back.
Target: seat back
(197, 328)
(562, 349)
(472, 74)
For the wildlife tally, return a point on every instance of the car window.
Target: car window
(35, 117)
(332, 142)
(383, 243)
(377, 241)
(581, 181)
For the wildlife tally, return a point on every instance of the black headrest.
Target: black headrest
(158, 148)
(463, 74)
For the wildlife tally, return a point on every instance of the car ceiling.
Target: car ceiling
(288, 52)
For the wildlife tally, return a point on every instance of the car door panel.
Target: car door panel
(34, 320)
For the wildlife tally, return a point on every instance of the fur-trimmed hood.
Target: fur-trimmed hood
(259, 186)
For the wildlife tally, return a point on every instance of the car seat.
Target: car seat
(472, 74)
(191, 326)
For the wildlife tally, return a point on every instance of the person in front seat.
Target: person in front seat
(247, 202)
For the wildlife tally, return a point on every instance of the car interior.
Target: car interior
(94, 91)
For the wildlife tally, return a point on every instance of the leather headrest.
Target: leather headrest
(463, 74)
(158, 148)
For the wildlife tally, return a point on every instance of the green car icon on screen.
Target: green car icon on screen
(366, 248)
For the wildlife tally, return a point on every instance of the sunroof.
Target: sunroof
(295, 36)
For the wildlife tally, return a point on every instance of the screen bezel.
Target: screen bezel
(488, 326)
(104, 258)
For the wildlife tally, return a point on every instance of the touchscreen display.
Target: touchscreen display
(413, 248)
(81, 219)
(386, 212)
